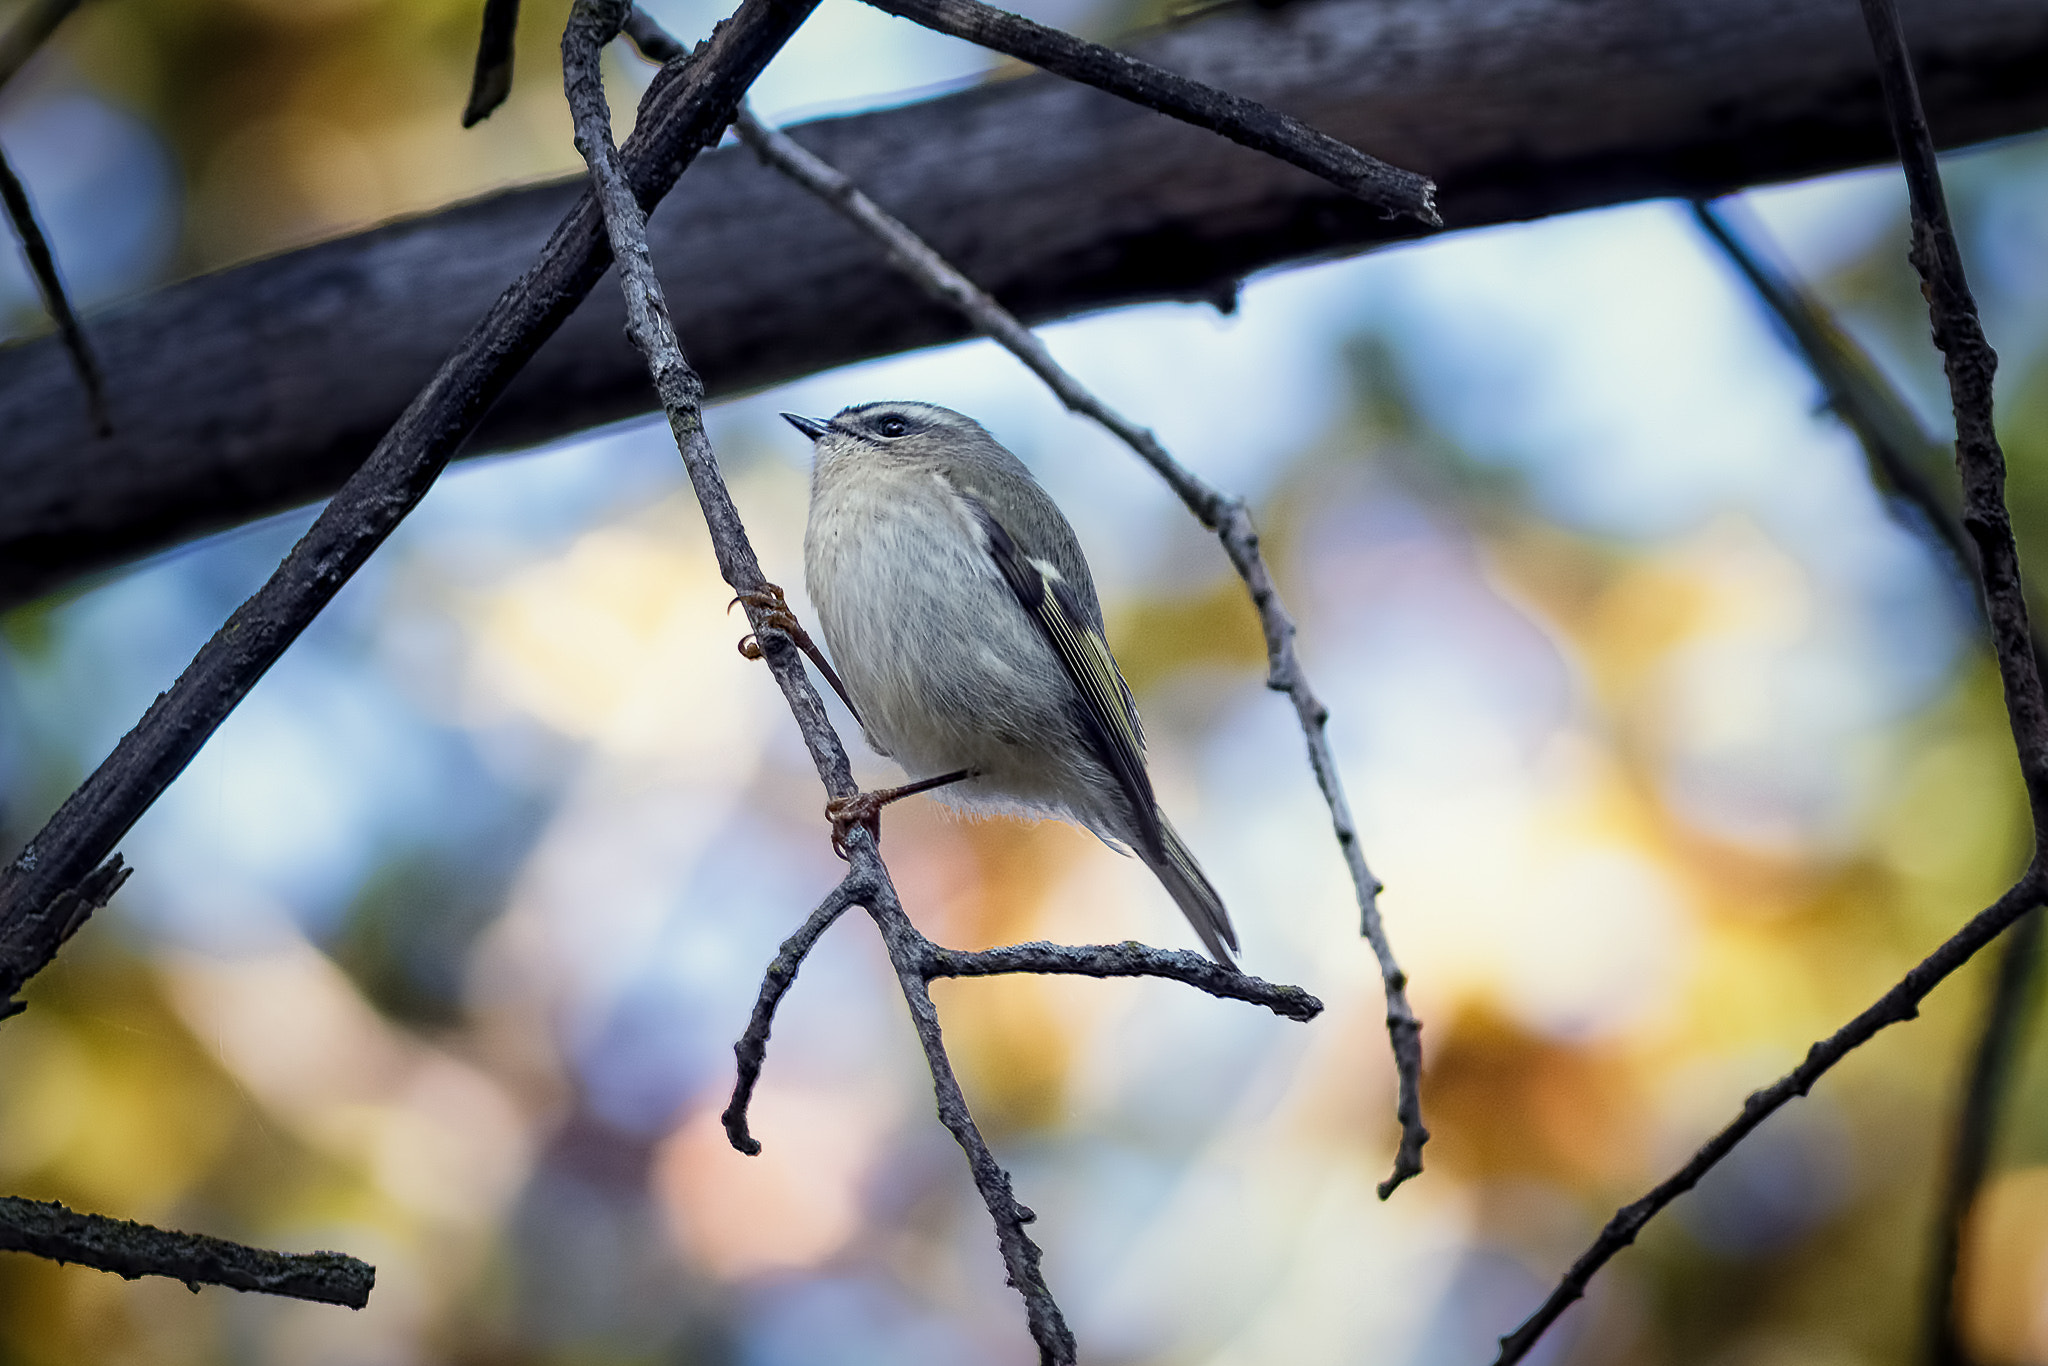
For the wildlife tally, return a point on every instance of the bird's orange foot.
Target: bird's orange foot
(775, 616)
(862, 809)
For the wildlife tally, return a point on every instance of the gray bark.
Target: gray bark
(263, 386)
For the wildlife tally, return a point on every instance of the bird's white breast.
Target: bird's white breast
(945, 666)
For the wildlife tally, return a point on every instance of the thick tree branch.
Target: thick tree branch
(1969, 361)
(264, 386)
(1387, 188)
(1226, 516)
(686, 108)
(130, 1250)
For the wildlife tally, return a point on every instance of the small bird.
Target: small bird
(956, 602)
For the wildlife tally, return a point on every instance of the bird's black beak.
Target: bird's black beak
(809, 426)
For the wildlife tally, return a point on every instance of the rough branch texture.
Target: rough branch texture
(263, 387)
(131, 1250)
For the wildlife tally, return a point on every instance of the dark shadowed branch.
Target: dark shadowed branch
(1969, 362)
(38, 20)
(1243, 121)
(17, 45)
(1900, 453)
(1226, 516)
(685, 109)
(1901, 457)
(492, 81)
(130, 1250)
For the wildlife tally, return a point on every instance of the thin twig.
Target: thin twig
(909, 954)
(685, 109)
(1226, 516)
(28, 34)
(1247, 122)
(1976, 1126)
(492, 81)
(1125, 960)
(42, 264)
(751, 1049)
(130, 1250)
(1901, 454)
(1896, 1006)
(1969, 361)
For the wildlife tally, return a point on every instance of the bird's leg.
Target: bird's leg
(865, 808)
(776, 616)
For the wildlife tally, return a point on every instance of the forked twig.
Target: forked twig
(1969, 361)
(1226, 516)
(915, 959)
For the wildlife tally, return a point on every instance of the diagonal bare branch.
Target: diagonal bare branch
(685, 109)
(492, 81)
(1391, 189)
(129, 1250)
(42, 264)
(1900, 452)
(1226, 516)
(1896, 1006)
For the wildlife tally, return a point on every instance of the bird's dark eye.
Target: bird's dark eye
(891, 426)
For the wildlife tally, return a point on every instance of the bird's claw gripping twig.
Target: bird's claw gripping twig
(776, 615)
(861, 809)
(865, 808)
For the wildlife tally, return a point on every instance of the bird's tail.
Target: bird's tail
(1184, 880)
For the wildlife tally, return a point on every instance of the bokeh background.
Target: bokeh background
(1673, 744)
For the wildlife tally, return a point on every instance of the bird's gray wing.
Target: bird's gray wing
(1107, 711)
